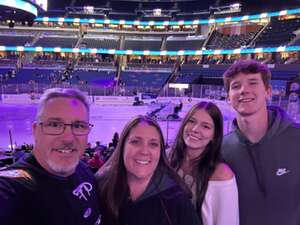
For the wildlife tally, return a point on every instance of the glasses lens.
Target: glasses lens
(53, 127)
(80, 128)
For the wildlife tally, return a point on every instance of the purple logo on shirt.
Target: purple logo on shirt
(83, 190)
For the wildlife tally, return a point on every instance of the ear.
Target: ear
(269, 92)
(34, 127)
(227, 99)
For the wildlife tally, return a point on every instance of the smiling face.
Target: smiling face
(248, 94)
(198, 132)
(60, 154)
(142, 152)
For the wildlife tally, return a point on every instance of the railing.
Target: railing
(215, 93)
(290, 103)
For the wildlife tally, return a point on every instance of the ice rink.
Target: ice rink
(107, 119)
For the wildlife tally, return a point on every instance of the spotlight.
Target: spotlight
(11, 24)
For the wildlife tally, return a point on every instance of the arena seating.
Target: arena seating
(144, 70)
(222, 41)
(100, 78)
(57, 41)
(278, 32)
(15, 40)
(187, 78)
(100, 42)
(143, 44)
(32, 75)
(144, 79)
(181, 44)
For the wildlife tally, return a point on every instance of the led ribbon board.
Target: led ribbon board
(157, 53)
(170, 23)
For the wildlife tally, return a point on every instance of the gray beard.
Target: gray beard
(62, 169)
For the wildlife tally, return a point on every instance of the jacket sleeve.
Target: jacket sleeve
(10, 201)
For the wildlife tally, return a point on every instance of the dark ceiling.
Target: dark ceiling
(248, 5)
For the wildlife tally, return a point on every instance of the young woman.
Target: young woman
(195, 156)
(137, 186)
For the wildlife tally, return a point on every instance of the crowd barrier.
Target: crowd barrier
(20, 98)
(97, 100)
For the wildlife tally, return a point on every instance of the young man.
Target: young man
(263, 149)
(50, 186)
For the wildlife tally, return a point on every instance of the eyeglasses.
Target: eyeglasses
(58, 127)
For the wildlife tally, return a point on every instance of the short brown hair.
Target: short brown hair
(247, 67)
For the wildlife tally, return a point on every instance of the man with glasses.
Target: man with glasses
(51, 186)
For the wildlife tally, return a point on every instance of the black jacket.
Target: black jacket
(163, 203)
(31, 196)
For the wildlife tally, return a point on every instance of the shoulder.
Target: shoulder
(230, 142)
(102, 182)
(222, 172)
(296, 126)
(101, 178)
(15, 182)
(230, 137)
(83, 168)
(230, 146)
(14, 195)
(15, 173)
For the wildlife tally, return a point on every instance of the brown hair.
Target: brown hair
(246, 67)
(112, 177)
(205, 165)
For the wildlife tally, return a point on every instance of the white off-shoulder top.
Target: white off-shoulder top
(220, 205)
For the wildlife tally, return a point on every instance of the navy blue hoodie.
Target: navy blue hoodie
(267, 172)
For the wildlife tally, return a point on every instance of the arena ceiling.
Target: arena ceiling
(248, 5)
